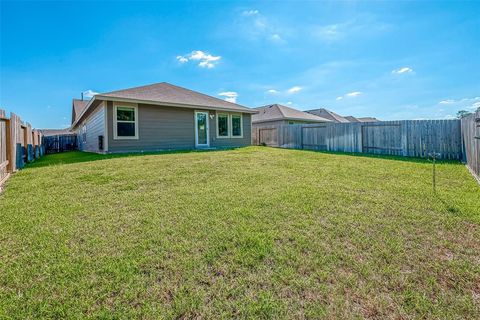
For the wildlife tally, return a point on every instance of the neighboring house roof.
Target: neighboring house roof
(170, 95)
(275, 112)
(368, 119)
(327, 114)
(352, 119)
(77, 108)
(55, 132)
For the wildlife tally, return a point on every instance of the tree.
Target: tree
(463, 113)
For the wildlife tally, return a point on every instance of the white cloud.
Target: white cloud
(448, 101)
(276, 38)
(182, 59)
(475, 106)
(329, 32)
(289, 103)
(353, 94)
(255, 26)
(461, 104)
(362, 26)
(250, 12)
(230, 96)
(204, 59)
(272, 91)
(403, 70)
(349, 95)
(294, 89)
(89, 93)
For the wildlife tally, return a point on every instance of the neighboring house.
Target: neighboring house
(157, 117)
(327, 114)
(368, 119)
(335, 117)
(275, 114)
(55, 132)
(77, 108)
(352, 119)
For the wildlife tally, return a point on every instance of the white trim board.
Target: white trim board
(136, 120)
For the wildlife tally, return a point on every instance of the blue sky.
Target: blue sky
(391, 60)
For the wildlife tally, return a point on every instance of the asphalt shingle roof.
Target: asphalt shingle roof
(275, 112)
(327, 114)
(168, 93)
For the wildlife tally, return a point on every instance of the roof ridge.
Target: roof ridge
(280, 108)
(136, 87)
(203, 94)
(175, 86)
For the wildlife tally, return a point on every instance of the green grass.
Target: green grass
(249, 233)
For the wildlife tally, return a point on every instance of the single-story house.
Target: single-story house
(327, 114)
(335, 117)
(352, 119)
(276, 114)
(158, 117)
(368, 119)
(55, 132)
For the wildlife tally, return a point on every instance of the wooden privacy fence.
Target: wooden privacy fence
(412, 138)
(60, 143)
(19, 144)
(471, 142)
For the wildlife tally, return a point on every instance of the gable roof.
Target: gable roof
(56, 132)
(368, 119)
(275, 112)
(167, 94)
(327, 114)
(77, 108)
(351, 119)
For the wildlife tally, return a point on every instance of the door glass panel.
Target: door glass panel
(202, 128)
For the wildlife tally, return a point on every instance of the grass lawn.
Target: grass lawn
(251, 233)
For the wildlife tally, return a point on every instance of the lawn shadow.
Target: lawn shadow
(70, 157)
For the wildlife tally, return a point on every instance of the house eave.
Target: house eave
(178, 105)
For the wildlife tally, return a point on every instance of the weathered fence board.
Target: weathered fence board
(18, 144)
(471, 142)
(414, 138)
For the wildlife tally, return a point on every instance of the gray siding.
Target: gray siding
(231, 142)
(166, 128)
(95, 127)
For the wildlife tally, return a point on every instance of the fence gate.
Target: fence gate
(268, 136)
(314, 137)
(382, 139)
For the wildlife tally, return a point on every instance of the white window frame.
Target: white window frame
(198, 145)
(115, 121)
(230, 125)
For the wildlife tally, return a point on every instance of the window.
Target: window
(222, 125)
(125, 122)
(229, 125)
(84, 133)
(236, 125)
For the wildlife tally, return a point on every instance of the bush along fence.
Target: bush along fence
(411, 138)
(19, 144)
(471, 142)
